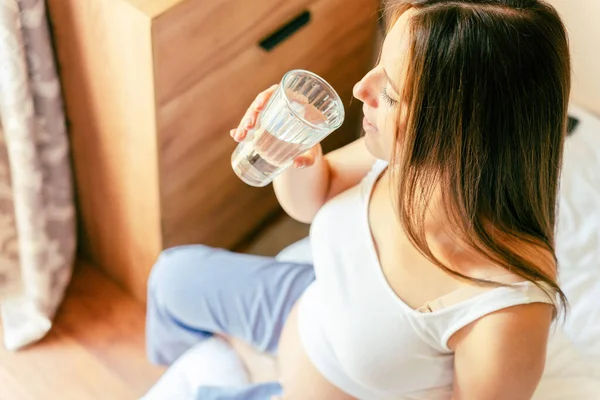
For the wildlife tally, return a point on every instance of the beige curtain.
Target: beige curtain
(37, 232)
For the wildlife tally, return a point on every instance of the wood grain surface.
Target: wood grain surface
(104, 55)
(152, 88)
(202, 94)
(95, 350)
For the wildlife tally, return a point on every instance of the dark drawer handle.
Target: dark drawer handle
(279, 36)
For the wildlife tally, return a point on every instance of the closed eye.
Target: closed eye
(386, 97)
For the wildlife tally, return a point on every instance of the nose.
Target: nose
(366, 90)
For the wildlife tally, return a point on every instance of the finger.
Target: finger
(263, 98)
(304, 160)
(239, 134)
(308, 158)
(248, 120)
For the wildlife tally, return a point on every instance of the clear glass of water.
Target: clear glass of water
(303, 111)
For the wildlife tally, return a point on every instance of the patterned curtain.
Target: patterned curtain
(37, 225)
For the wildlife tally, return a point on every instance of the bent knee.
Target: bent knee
(177, 267)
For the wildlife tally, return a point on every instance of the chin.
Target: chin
(374, 146)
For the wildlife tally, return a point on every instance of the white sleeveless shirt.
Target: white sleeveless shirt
(358, 333)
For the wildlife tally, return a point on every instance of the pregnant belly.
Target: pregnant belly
(298, 376)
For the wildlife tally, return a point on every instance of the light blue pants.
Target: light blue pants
(195, 291)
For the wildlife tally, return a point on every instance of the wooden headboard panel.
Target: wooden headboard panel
(582, 18)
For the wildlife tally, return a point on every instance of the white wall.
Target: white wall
(582, 18)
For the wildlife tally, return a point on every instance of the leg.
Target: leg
(259, 367)
(195, 291)
(259, 391)
(211, 362)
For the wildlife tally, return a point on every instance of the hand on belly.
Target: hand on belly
(298, 376)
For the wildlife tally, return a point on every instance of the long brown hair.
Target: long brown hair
(487, 89)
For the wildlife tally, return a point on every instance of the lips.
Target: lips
(367, 126)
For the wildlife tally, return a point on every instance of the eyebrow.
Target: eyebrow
(390, 82)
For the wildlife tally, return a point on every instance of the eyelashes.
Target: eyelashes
(386, 97)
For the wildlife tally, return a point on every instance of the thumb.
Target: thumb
(308, 158)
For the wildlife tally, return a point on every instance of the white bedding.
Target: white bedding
(578, 238)
(573, 370)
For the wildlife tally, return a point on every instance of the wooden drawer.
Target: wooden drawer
(197, 37)
(152, 88)
(205, 79)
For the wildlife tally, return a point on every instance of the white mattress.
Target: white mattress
(578, 238)
(573, 368)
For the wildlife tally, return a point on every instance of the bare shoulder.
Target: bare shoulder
(536, 255)
(508, 326)
(502, 355)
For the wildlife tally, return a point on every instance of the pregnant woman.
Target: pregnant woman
(434, 273)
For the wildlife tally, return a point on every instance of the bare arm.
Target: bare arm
(302, 192)
(502, 355)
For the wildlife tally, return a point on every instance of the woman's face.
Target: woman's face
(380, 90)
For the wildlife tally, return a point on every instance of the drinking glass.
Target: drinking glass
(302, 112)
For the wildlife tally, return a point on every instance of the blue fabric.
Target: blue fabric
(195, 291)
(262, 391)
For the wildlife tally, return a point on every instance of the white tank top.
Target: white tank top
(359, 334)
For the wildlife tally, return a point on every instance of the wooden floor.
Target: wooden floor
(95, 350)
(276, 236)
